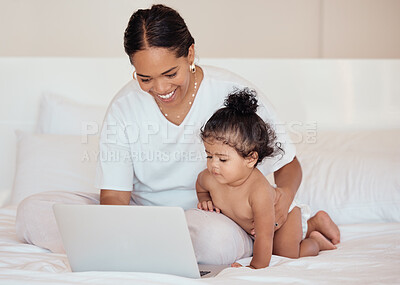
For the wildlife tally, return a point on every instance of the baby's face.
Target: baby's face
(225, 164)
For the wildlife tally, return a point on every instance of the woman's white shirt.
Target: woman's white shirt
(141, 150)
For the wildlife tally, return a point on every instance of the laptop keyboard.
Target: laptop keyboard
(204, 272)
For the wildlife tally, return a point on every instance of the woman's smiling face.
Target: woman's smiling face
(164, 76)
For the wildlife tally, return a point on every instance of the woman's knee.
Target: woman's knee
(216, 238)
(27, 212)
(35, 221)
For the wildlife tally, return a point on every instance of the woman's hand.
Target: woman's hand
(114, 197)
(208, 206)
(282, 205)
(237, 265)
(288, 179)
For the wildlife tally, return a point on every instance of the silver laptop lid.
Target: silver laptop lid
(127, 238)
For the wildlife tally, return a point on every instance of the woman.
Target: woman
(151, 144)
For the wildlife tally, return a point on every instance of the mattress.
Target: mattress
(369, 253)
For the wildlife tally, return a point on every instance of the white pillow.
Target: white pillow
(59, 115)
(354, 176)
(54, 163)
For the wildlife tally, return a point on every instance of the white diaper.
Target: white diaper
(305, 214)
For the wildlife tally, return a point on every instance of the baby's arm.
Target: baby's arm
(203, 195)
(262, 204)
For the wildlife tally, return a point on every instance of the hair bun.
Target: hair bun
(243, 101)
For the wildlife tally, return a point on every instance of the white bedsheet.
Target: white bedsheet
(368, 254)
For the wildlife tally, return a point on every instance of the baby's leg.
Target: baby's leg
(288, 238)
(323, 243)
(321, 222)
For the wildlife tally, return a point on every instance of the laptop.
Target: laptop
(129, 238)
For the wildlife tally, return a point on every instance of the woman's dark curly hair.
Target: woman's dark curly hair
(238, 126)
(159, 26)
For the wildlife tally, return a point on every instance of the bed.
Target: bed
(343, 116)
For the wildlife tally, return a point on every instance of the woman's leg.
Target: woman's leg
(216, 238)
(35, 221)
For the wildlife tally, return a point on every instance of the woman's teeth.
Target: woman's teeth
(166, 96)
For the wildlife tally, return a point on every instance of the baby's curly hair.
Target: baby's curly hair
(238, 126)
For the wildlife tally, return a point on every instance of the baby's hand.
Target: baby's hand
(208, 206)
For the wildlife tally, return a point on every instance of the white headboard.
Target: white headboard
(330, 94)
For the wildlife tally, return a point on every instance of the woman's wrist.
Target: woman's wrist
(286, 196)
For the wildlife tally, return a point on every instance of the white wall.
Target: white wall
(222, 28)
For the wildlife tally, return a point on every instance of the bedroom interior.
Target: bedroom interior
(337, 92)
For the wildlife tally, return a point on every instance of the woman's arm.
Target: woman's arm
(114, 197)
(287, 179)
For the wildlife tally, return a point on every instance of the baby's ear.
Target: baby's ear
(252, 159)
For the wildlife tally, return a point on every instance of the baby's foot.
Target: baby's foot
(322, 223)
(235, 264)
(323, 242)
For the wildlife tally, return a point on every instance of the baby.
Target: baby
(236, 139)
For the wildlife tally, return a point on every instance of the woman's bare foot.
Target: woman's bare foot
(323, 242)
(322, 223)
(235, 264)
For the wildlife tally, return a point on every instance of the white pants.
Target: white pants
(216, 238)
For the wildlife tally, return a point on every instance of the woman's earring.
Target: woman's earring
(192, 68)
(134, 75)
